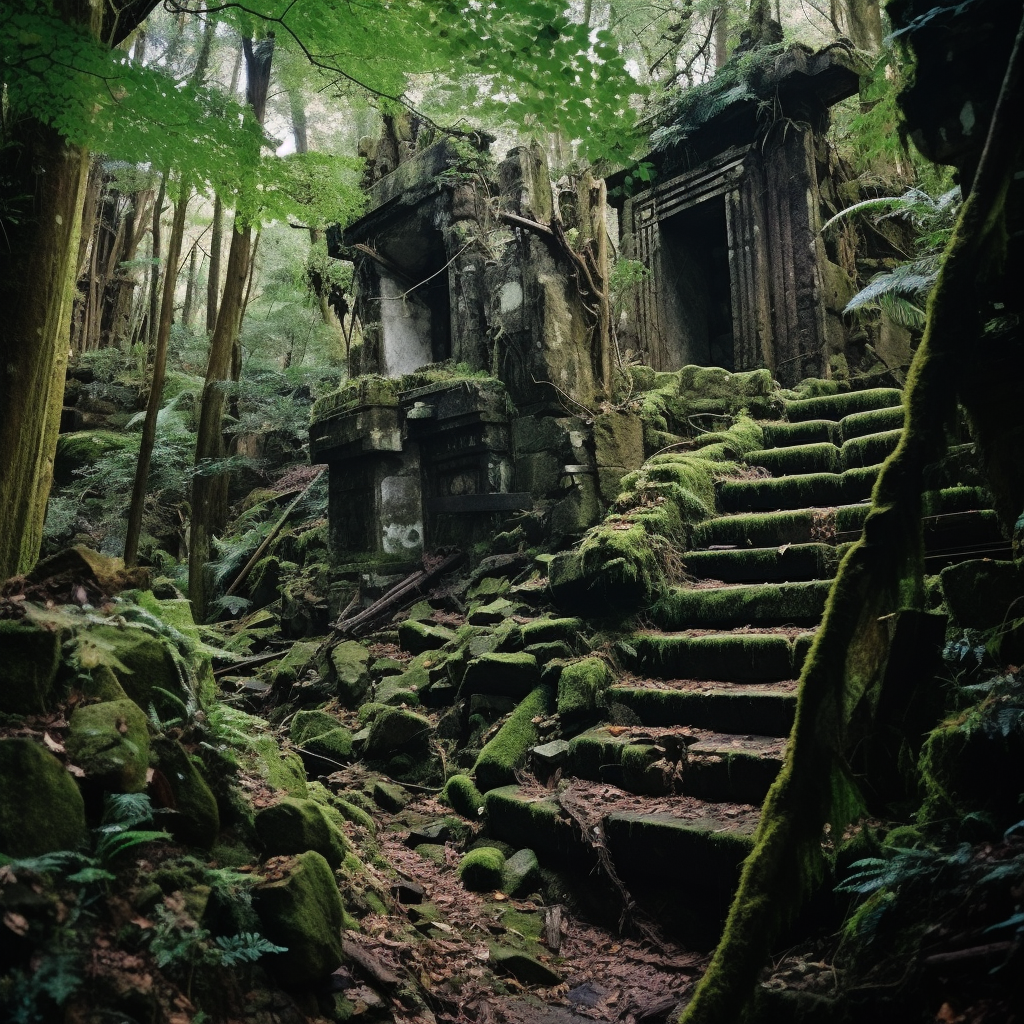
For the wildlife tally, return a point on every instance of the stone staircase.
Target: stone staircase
(698, 715)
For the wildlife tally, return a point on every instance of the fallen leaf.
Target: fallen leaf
(16, 923)
(53, 745)
(785, 548)
(79, 773)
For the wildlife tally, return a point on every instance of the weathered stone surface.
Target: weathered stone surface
(581, 688)
(390, 797)
(481, 869)
(197, 822)
(31, 657)
(523, 967)
(510, 675)
(321, 734)
(294, 826)
(41, 809)
(521, 873)
(395, 728)
(498, 760)
(295, 663)
(417, 637)
(110, 742)
(351, 660)
(303, 912)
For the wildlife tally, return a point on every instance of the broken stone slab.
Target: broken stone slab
(389, 797)
(417, 637)
(521, 874)
(406, 891)
(523, 967)
(448, 829)
(350, 662)
(491, 614)
(550, 755)
(294, 826)
(509, 675)
(197, 822)
(395, 728)
(549, 652)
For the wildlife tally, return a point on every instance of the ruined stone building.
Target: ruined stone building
(476, 392)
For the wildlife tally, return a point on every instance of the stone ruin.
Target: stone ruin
(487, 345)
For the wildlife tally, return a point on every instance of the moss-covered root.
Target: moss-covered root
(840, 683)
(497, 763)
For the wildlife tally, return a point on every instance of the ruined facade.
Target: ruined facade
(487, 343)
(730, 231)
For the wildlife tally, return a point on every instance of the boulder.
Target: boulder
(321, 735)
(581, 689)
(350, 661)
(481, 869)
(41, 809)
(521, 873)
(110, 742)
(197, 822)
(294, 826)
(31, 658)
(300, 909)
(395, 728)
(523, 967)
(510, 675)
(417, 637)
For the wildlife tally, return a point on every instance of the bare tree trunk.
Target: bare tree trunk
(156, 388)
(721, 16)
(191, 287)
(154, 284)
(209, 491)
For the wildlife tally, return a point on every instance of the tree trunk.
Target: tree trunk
(209, 492)
(721, 16)
(191, 287)
(154, 283)
(38, 286)
(156, 388)
(861, 20)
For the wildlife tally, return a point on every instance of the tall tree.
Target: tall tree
(209, 486)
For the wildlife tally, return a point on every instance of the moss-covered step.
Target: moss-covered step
(782, 435)
(798, 458)
(773, 529)
(693, 861)
(784, 563)
(525, 819)
(811, 490)
(760, 710)
(739, 657)
(737, 769)
(838, 407)
(873, 421)
(756, 604)
(869, 449)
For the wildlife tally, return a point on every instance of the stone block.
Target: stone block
(110, 742)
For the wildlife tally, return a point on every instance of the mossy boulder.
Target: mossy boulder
(321, 735)
(395, 729)
(197, 822)
(497, 763)
(41, 809)
(110, 742)
(143, 663)
(300, 908)
(521, 873)
(462, 796)
(507, 675)
(295, 663)
(416, 637)
(102, 684)
(581, 689)
(481, 870)
(350, 662)
(31, 658)
(293, 826)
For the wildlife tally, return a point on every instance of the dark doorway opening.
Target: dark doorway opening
(697, 290)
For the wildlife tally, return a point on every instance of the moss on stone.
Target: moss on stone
(395, 729)
(799, 458)
(197, 822)
(873, 421)
(41, 809)
(545, 630)
(102, 684)
(511, 675)
(281, 769)
(581, 689)
(294, 826)
(31, 658)
(462, 796)
(837, 407)
(869, 449)
(481, 869)
(417, 637)
(499, 759)
(761, 604)
(110, 742)
(302, 911)
(350, 671)
(788, 561)
(752, 657)
(780, 435)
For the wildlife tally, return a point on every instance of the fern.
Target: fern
(112, 845)
(122, 811)
(246, 947)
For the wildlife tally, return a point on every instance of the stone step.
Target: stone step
(872, 421)
(773, 529)
(765, 709)
(837, 407)
(814, 490)
(680, 857)
(757, 604)
(741, 657)
(717, 767)
(869, 449)
(783, 563)
(825, 457)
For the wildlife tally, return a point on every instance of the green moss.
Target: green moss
(31, 657)
(730, 709)
(874, 421)
(511, 675)
(955, 499)
(787, 561)
(499, 759)
(520, 876)
(793, 492)
(544, 630)
(757, 529)
(779, 435)
(367, 389)
(302, 912)
(320, 733)
(481, 869)
(281, 769)
(593, 751)
(581, 689)
(294, 826)
(753, 657)
(799, 458)
(870, 449)
(462, 796)
(110, 742)
(761, 604)
(41, 809)
(197, 821)
(837, 407)
(395, 729)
